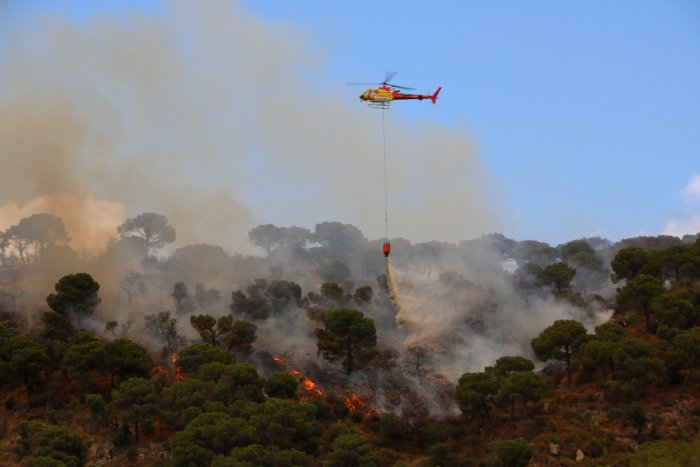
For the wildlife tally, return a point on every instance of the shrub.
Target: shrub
(437, 432)
(513, 453)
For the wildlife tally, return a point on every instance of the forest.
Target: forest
(493, 352)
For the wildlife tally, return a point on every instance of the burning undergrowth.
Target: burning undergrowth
(306, 383)
(173, 372)
(355, 403)
(374, 391)
(397, 381)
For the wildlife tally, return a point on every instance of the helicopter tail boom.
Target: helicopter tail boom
(435, 94)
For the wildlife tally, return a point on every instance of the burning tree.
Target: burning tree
(349, 335)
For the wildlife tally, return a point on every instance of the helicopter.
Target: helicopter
(381, 97)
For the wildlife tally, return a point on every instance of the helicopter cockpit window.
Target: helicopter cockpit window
(376, 91)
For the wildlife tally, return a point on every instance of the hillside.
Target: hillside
(487, 352)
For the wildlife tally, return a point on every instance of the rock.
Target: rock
(580, 455)
(553, 449)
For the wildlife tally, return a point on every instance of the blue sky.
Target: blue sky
(586, 114)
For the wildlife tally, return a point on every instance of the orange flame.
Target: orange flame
(439, 378)
(310, 386)
(178, 369)
(176, 372)
(306, 382)
(355, 404)
(351, 407)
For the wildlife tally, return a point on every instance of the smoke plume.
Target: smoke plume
(212, 117)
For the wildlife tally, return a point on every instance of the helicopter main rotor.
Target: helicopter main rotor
(388, 76)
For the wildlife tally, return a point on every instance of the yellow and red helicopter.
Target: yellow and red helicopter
(381, 97)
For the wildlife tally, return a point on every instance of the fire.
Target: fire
(310, 386)
(178, 369)
(176, 372)
(351, 407)
(355, 404)
(306, 382)
(438, 377)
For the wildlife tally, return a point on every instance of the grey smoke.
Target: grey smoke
(213, 118)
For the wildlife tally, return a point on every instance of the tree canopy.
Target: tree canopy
(31, 237)
(638, 294)
(136, 400)
(192, 357)
(561, 340)
(349, 335)
(628, 263)
(60, 444)
(23, 359)
(125, 359)
(558, 275)
(475, 393)
(75, 293)
(689, 343)
(352, 450)
(152, 228)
